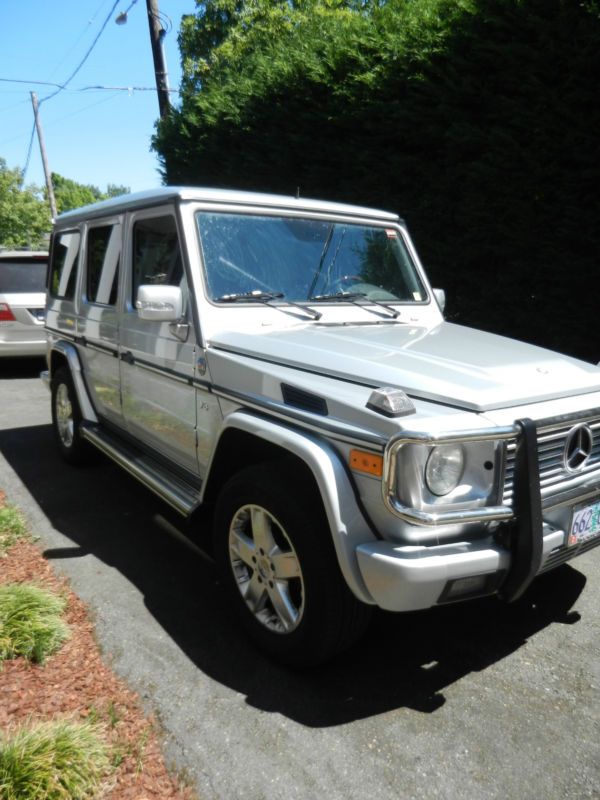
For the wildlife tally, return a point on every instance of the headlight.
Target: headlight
(444, 468)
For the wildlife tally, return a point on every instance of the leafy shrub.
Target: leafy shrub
(30, 622)
(12, 527)
(58, 760)
(477, 119)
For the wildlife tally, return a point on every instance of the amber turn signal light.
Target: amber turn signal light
(371, 463)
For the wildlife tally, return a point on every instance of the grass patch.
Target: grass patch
(31, 625)
(57, 760)
(12, 527)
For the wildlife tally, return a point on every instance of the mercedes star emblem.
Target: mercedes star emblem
(578, 448)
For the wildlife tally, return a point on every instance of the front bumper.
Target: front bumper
(407, 578)
(22, 349)
(411, 578)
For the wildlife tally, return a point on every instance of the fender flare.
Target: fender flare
(346, 522)
(70, 354)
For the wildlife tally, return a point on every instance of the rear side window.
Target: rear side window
(63, 271)
(103, 255)
(26, 275)
(156, 253)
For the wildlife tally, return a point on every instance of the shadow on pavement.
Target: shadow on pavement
(403, 661)
(14, 368)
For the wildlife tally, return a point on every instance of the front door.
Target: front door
(157, 358)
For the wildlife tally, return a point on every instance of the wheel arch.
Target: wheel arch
(246, 439)
(64, 354)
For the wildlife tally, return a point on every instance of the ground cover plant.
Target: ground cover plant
(31, 623)
(12, 526)
(69, 727)
(57, 760)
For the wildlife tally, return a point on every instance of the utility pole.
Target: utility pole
(160, 70)
(47, 174)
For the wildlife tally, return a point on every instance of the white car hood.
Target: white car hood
(448, 363)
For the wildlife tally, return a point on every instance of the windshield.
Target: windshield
(305, 259)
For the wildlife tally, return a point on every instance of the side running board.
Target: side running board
(178, 493)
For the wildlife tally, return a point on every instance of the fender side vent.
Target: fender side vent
(292, 396)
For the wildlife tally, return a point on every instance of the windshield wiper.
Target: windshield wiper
(352, 297)
(322, 258)
(257, 295)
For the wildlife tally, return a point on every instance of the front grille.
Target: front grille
(554, 477)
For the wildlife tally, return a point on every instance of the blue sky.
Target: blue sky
(92, 136)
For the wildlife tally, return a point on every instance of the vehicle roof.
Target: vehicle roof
(225, 196)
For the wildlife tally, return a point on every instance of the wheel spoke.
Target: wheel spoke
(261, 530)
(282, 604)
(243, 547)
(255, 594)
(285, 565)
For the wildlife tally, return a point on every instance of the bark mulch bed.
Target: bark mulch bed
(76, 683)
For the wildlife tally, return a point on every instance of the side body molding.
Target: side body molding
(69, 351)
(346, 522)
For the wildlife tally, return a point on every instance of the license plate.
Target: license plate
(585, 524)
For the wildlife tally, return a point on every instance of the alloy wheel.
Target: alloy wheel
(267, 569)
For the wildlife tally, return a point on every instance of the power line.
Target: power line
(86, 56)
(86, 88)
(130, 89)
(25, 168)
(88, 25)
(38, 83)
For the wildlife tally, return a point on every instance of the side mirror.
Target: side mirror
(159, 303)
(440, 296)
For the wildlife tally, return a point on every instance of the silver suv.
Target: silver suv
(285, 364)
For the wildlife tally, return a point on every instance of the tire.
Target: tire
(274, 551)
(66, 419)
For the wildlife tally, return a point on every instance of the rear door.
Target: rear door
(98, 323)
(157, 358)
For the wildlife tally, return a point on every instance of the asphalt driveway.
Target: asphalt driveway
(479, 700)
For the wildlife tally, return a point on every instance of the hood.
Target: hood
(449, 364)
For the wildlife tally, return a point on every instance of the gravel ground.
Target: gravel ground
(477, 700)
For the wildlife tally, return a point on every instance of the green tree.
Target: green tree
(115, 189)
(24, 216)
(478, 119)
(69, 194)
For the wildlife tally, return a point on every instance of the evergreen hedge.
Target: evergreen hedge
(477, 120)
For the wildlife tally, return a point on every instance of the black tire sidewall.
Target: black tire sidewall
(316, 635)
(75, 453)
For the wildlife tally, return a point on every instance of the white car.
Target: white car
(22, 302)
(284, 365)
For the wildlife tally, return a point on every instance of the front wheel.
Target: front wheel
(274, 550)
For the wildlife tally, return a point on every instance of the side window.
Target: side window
(103, 252)
(156, 253)
(63, 270)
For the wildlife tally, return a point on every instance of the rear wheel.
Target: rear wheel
(274, 550)
(66, 418)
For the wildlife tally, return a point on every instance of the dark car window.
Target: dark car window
(103, 250)
(23, 275)
(63, 271)
(156, 253)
